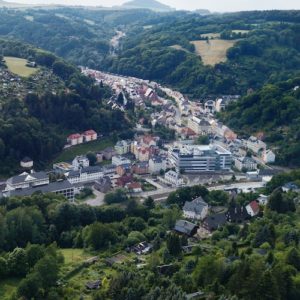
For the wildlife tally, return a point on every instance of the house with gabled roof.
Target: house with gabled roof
(196, 209)
(253, 208)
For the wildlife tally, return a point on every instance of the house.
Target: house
(90, 135)
(141, 248)
(186, 227)
(87, 174)
(99, 156)
(118, 160)
(209, 106)
(253, 208)
(291, 186)
(237, 214)
(268, 156)
(75, 139)
(123, 147)
(140, 168)
(134, 187)
(255, 145)
(103, 184)
(26, 163)
(122, 181)
(262, 199)
(245, 163)
(93, 285)
(27, 180)
(80, 162)
(156, 164)
(108, 153)
(215, 221)
(123, 169)
(196, 209)
(173, 178)
(109, 170)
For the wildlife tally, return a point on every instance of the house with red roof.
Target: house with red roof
(253, 208)
(134, 187)
(90, 135)
(75, 139)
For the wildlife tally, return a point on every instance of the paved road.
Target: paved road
(98, 201)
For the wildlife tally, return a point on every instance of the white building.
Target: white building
(88, 174)
(123, 147)
(75, 139)
(90, 135)
(196, 209)
(246, 163)
(268, 156)
(119, 160)
(253, 208)
(173, 178)
(156, 164)
(80, 162)
(26, 163)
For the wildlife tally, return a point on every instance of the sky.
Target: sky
(213, 5)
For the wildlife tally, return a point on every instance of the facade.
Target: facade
(202, 158)
(123, 147)
(75, 139)
(196, 209)
(173, 178)
(90, 135)
(64, 188)
(134, 187)
(255, 145)
(103, 184)
(140, 168)
(186, 228)
(62, 168)
(156, 164)
(247, 163)
(199, 126)
(27, 180)
(26, 163)
(121, 170)
(269, 156)
(80, 162)
(88, 174)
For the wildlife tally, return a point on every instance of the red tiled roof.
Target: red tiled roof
(90, 132)
(74, 136)
(134, 185)
(254, 206)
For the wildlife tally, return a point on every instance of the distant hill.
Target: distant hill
(202, 12)
(147, 4)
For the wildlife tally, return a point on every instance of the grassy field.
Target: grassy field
(18, 66)
(7, 287)
(75, 255)
(70, 153)
(214, 51)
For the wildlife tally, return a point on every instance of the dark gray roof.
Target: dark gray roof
(185, 227)
(214, 221)
(89, 170)
(197, 205)
(48, 188)
(22, 177)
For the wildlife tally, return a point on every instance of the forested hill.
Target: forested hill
(39, 110)
(215, 54)
(274, 111)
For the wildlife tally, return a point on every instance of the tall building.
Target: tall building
(200, 158)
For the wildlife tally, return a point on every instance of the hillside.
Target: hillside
(273, 112)
(39, 110)
(147, 4)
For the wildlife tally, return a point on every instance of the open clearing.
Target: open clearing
(75, 255)
(214, 51)
(178, 47)
(18, 66)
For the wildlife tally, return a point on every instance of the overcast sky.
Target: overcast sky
(213, 5)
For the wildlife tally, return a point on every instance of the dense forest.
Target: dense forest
(273, 111)
(258, 259)
(37, 125)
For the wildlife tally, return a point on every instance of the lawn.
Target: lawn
(75, 255)
(7, 287)
(95, 146)
(213, 51)
(18, 66)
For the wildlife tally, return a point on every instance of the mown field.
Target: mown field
(213, 52)
(18, 66)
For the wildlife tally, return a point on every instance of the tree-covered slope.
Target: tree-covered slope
(39, 111)
(273, 110)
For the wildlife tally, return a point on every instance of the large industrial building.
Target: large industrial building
(200, 158)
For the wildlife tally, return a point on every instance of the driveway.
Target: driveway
(98, 201)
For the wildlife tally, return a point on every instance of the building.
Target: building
(75, 139)
(255, 145)
(199, 126)
(122, 181)
(210, 106)
(123, 147)
(27, 180)
(62, 168)
(121, 170)
(118, 160)
(291, 186)
(134, 187)
(108, 153)
(245, 163)
(156, 164)
(196, 209)
(186, 228)
(237, 214)
(201, 158)
(90, 135)
(26, 163)
(220, 105)
(140, 168)
(253, 208)
(80, 162)
(63, 187)
(268, 156)
(262, 199)
(87, 174)
(173, 178)
(215, 221)
(103, 184)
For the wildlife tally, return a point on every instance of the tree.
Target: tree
(92, 158)
(17, 262)
(118, 196)
(34, 254)
(203, 140)
(149, 202)
(47, 269)
(174, 244)
(3, 268)
(293, 258)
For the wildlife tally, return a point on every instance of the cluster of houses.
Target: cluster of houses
(80, 138)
